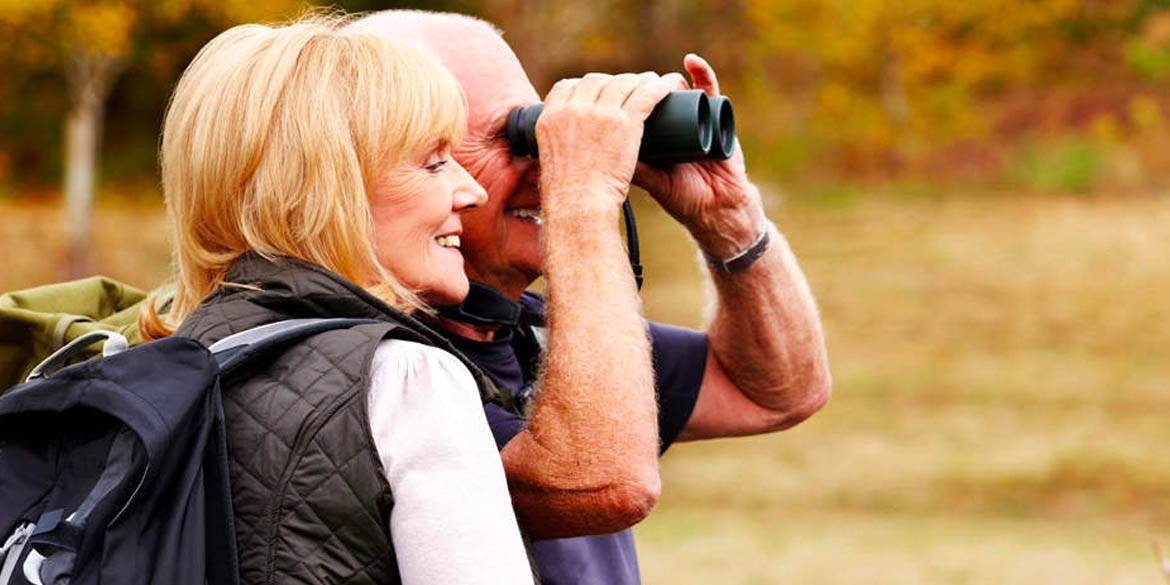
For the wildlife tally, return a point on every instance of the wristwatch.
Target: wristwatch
(744, 258)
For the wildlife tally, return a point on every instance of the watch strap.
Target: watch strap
(741, 260)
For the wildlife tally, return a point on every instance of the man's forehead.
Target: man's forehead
(491, 75)
(489, 72)
(472, 50)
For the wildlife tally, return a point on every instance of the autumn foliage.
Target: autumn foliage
(1039, 94)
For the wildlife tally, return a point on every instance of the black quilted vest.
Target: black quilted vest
(311, 502)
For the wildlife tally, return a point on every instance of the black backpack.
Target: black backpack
(114, 470)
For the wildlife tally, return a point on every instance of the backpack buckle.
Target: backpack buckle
(18, 536)
(13, 547)
(115, 344)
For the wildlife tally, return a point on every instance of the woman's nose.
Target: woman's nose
(468, 193)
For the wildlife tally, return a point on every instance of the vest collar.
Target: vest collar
(258, 290)
(485, 305)
(301, 289)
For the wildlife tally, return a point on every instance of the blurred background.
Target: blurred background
(977, 192)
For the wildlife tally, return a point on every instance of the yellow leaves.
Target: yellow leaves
(1103, 128)
(928, 59)
(841, 113)
(108, 26)
(835, 100)
(19, 12)
(103, 27)
(1156, 29)
(226, 13)
(97, 26)
(1146, 115)
(40, 33)
(231, 13)
(174, 11)
(787, 26)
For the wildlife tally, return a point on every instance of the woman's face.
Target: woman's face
(416, 206)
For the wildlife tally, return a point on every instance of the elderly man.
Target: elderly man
(609, 397)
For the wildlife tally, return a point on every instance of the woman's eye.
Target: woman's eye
(435, 167)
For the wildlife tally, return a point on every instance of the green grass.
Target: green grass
(1068, 166)
(1000, 403)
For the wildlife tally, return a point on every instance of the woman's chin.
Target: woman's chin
(451, 293)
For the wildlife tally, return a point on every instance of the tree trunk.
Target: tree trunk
(893, 88)
(80, 159)
(90, 77)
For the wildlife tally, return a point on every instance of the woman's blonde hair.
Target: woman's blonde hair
(272, 141)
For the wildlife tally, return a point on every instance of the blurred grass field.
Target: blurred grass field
(999, 413)
(1000, 396)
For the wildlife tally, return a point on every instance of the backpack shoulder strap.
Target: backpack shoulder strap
(236, 350)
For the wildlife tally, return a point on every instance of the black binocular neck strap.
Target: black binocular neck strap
(632, 241)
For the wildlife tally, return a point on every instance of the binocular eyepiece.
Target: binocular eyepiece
(686, 126)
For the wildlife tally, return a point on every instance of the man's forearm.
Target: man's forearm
(587, 462)
(766, 334)
(766, 367)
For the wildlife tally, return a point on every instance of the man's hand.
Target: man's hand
(767, 368)
(713, 199)
(589, 132)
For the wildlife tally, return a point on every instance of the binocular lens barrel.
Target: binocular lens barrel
(723, 121)
(686, 126)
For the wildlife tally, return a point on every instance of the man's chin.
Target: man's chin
(528, 265)
(515, 281)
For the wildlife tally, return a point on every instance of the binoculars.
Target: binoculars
(686, 126)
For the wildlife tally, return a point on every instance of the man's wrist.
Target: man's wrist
(732, 223)
(561, 198)
(744, 258)
(587, 208)
(728, 231)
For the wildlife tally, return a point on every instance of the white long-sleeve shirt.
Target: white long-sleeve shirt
(452, 521)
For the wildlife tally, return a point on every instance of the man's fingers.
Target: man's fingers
(653, 180)
(561, 91)
(678, 82)
(618, 88)
(643, 78)
(701, 73)
(589, 89)
(647, 95)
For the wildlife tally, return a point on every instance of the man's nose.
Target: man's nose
(468, 193)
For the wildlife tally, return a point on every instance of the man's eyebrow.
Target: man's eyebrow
(498, 128)
(501, 121)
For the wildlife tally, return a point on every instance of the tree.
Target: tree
(91, 42)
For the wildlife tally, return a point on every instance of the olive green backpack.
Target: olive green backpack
(36, 322)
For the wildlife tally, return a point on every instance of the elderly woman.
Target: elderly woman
(307, 173)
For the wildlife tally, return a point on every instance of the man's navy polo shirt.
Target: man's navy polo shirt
(680, 357)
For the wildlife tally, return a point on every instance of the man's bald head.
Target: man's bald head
(423, 22)
(501, 239)
(472, 49)
(463, 43)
